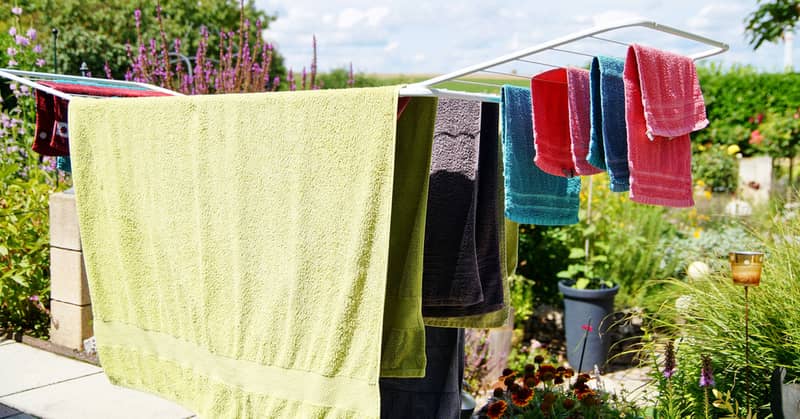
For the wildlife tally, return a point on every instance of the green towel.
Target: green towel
(508, 253)
(237, 247)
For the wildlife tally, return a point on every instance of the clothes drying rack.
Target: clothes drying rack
(427, 87)
(32, 79)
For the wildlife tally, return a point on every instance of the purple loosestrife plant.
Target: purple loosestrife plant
(242, 65)
(669, 360)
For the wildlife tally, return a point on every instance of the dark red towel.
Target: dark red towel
(52, 132)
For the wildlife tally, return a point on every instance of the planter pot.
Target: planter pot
(592, 307)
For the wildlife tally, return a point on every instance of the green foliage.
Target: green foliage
(716, 168)
(738, 100)
(625, 240)
(707, 317)
(781, 133)
(542, 255)
(96, 31)
(768, 22)
(25, 185)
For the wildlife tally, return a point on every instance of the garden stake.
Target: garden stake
(747, 349)
(583, 343)
(746, 271)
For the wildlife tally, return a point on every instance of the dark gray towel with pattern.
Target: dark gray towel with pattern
(438, 394)
(461, 275)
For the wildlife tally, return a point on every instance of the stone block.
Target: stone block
(68, 277)
(64, 232)
(755, 179)
(70, 324)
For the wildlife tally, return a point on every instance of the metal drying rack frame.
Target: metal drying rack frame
(29, 78)
(425, 88)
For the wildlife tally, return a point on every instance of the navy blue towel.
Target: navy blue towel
(608, 147)
(438, 394)
(532, 196)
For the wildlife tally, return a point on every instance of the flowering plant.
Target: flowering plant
(545, 391)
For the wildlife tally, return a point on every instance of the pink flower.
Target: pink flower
(12, 63)
(756, 137)
(11, 51)
(34, 298)
(37, 48)
(16, 10)
(12, 31)
(31, 33)
(21, 40)
(40, 62)
(587, 327)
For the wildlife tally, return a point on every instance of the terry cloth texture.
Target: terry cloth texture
(438, 394)
(579, 100)
(51, 112)
(461, 233)
(51, 137)
(561, 121)
(531, 195)
(663, 104)
(609, 141)
(509, 238)
(403, 349)
(213, 264)
(467, 274)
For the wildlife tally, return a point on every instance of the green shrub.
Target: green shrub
(707, 317)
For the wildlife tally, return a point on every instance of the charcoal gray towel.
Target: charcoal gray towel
(438, 394)
(461, 274)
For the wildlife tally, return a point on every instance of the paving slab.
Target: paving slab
(93, 397)
(31, 368)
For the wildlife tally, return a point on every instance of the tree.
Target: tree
(770, 20)
(97, 31)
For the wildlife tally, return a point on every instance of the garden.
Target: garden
(676, 312)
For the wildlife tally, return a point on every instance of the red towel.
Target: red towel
(663, 104)
(561, 125)
(580, 124)
(47, 122)
(52, 134)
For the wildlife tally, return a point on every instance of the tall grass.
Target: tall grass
(707, 317)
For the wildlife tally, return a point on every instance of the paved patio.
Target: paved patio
(36, 383)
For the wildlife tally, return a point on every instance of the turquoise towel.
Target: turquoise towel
(608, 148)
(532, 196)
(248, 266)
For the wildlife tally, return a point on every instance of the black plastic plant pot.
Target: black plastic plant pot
(586, 314)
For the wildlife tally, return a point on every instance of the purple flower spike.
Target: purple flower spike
(707, 373)
(669, 360)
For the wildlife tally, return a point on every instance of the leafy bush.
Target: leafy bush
(737, 101)
(714, 167)
(707, 317)
(26, 186)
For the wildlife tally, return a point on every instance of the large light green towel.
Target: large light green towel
(237, 247)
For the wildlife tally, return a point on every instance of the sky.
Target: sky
(434, 37)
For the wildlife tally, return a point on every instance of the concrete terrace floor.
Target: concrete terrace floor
(35, 383)
(38, 384)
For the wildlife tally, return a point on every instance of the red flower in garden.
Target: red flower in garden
(587, 327)
(546, 373)
(497, 409)
(522, 396)
(756, 137)
(568, 404)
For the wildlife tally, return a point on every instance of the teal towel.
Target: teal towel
(63, 163)
(532, 196)
(608, 147)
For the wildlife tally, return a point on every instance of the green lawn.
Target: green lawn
(389, 79)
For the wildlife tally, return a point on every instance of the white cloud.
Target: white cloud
(391, 46)
(425, 36)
